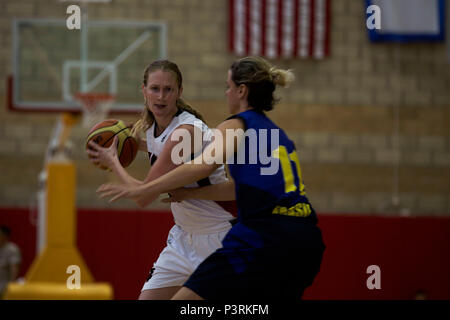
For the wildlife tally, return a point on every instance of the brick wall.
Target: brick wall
(340, 111)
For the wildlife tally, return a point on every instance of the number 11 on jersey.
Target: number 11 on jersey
(286, 167)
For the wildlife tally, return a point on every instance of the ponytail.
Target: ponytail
(181, 105)
(281, 77)
(145, 122)
(261, 78)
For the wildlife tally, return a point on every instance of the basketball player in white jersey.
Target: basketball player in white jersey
(200, 225)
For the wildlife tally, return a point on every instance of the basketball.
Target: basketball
(103, 134)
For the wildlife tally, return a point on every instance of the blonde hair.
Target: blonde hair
(261, 78)
(281, 77)
(147, 117)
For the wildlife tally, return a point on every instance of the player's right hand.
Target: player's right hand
(103, 157)
(141, 194)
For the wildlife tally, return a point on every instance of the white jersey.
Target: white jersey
(192, 215)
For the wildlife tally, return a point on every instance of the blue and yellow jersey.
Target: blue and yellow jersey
(266, 172)
(276, 232)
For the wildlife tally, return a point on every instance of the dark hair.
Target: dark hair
(261, 78)
(5, 230)
(147, 117)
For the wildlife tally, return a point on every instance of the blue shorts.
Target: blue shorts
(275, 257)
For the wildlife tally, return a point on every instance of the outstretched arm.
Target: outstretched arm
(146, 193)
(218, 192)
(195, 170)
(108, 158)
(166, 160)
(164, 163)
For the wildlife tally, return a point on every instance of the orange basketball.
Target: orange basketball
(103, 134)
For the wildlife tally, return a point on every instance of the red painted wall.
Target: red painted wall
(413, 253)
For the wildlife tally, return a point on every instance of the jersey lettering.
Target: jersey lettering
(286, 167)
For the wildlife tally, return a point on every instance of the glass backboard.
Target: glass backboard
(52, 63)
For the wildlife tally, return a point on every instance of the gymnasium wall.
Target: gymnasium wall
(411, 252)
(340, 111)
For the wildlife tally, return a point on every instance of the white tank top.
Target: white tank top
(192, 215)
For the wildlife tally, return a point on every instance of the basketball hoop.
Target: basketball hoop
(95, 107)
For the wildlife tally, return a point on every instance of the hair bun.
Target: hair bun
(281, 77)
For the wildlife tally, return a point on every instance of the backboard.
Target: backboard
(52, 63)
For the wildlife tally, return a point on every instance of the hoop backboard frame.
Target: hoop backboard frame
(108, 67)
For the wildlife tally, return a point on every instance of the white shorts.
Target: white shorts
(183, 253)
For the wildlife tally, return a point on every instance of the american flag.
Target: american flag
(279, 28)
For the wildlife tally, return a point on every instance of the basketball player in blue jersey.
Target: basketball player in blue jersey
(275, 250)
(200, 225)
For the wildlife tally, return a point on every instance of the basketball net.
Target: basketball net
(95, 107)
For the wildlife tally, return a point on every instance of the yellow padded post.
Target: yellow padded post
(48, 274)
(56, 291)
(61, 204)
